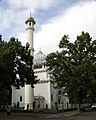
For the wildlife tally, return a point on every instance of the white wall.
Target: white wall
(41, 89)
(41, 73)
(16, 93)
(45, 87)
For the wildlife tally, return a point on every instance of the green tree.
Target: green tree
(15, 65)
(74, 67)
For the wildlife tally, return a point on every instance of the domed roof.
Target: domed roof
(39, 58)
(30, 19)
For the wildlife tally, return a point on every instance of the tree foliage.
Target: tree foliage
(74, 67)
(15, 64)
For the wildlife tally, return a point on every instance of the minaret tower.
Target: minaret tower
(29, 91)
(30, 32)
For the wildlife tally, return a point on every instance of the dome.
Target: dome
(39, 58)
(30, 19)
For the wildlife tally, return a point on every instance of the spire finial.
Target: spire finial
(30, 14)
(40, 52)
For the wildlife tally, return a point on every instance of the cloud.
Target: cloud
(31, 4)
(22, 38)
(72, 21)
(5, 19)
(14, 12)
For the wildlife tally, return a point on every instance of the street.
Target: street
(28, 116)
(84, 116)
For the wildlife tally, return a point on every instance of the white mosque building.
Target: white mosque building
(44, 95)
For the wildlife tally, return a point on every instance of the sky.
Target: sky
(54, 18)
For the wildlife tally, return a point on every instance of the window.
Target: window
(51, 97)
(20, 98)
(30, 24)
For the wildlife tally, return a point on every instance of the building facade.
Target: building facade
(43, 95)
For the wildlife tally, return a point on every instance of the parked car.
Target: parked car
(93, 106)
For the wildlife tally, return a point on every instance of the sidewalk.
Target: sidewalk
(71, 113)
(61, 115)
(30, 116)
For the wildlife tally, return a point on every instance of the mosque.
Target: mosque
(44, 95)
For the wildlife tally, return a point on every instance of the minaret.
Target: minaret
(29, 91)
(30, 31)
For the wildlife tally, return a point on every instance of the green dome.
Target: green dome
(39, 58)
(31, 19)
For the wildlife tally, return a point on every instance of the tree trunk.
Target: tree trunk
(10, 95)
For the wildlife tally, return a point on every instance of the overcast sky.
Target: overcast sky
(54, 18)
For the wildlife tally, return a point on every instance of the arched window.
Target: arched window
(30, 24)
(20, 98)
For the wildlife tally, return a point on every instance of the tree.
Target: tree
(74, 67)
(15, 65)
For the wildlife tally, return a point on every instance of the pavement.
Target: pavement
(28, 116)
(63, 114)
(71, 113)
